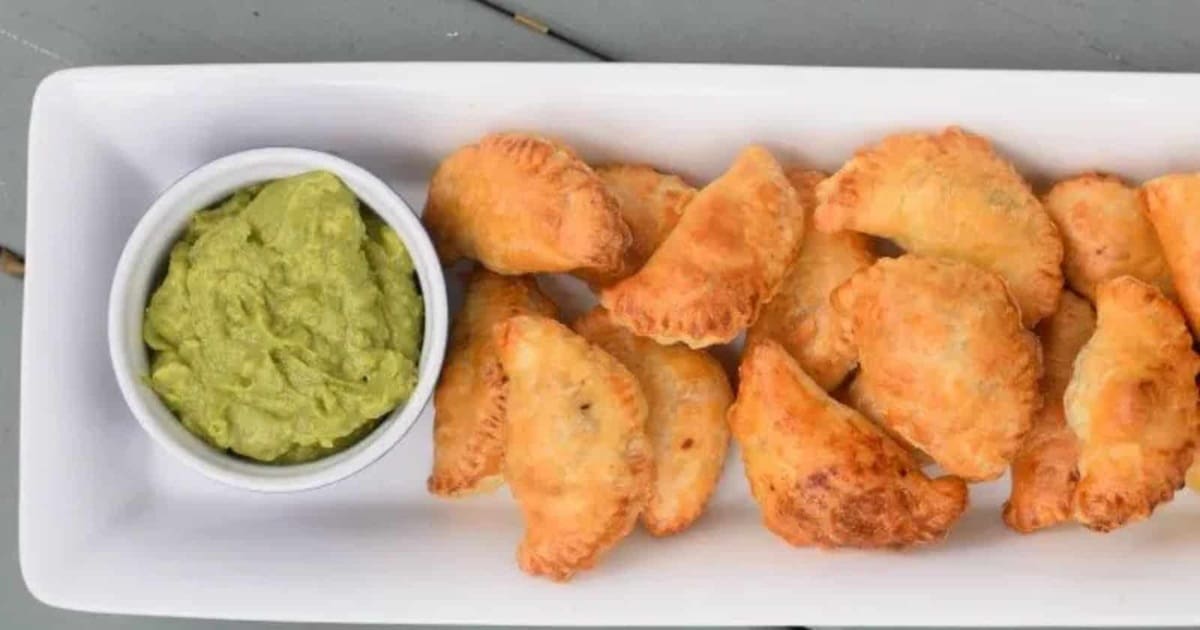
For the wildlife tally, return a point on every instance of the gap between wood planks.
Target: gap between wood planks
(542, 28)
(11, 263)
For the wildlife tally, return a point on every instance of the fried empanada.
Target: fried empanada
(799, 316)
(468, 421)
(1172, 203)
(1105, 233)
(949, 195)
(651, 204)
(1132, 403)
(824, 475)
(1193, 475)
(944, 359)
(520, 203)
(688, 393)
(1044, 471)
(710, 278)
(851, 394)
(576, 454)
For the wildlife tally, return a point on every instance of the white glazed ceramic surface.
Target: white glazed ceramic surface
(141, 265)
(110, 522)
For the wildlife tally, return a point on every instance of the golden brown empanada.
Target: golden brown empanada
(949, 195)
(1132, 403)
(851, 394)
(577, 458)
(824, 475)
(651, 204)
(469, 402)
(520, 203)
(1193, 475)
(1105, 233)
(1172, 203)
(799, 317)
(1044, 472)
(687, 393)
(944, 359)
(710, 278)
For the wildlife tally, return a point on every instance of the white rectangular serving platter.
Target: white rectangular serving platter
(109, 523)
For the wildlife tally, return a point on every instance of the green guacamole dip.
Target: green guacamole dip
(288, 323)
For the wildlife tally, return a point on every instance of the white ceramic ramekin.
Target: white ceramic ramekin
(145, 255)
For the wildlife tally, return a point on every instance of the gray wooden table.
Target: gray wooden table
(40, 36)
